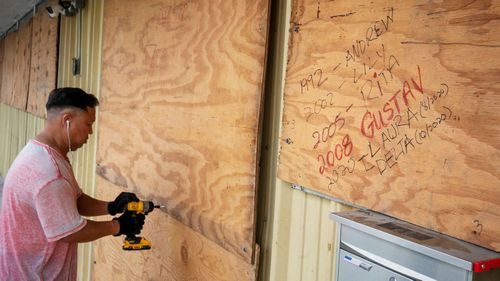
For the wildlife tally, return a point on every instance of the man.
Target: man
(42, 206)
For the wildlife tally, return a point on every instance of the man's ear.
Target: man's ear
(66, 119)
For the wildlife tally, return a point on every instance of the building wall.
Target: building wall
(89, 79)
(297, 237)
(18, 126)
(303, 236)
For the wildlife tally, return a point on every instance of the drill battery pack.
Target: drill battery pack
(136, 243)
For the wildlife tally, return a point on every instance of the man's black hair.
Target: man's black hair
(70, 97)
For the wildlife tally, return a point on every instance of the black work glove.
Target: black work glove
(121, 202)
(130, 223)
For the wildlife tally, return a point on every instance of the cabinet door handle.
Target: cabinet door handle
(365, 266)
(358, 263)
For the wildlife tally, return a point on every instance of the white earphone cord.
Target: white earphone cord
(67, 134)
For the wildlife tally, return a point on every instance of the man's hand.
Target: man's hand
(121, 201)
(130, 223)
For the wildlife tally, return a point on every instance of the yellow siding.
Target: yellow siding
(83, 160)
(303, 244)
(17, 128)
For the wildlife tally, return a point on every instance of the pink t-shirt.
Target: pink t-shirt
(39, 207)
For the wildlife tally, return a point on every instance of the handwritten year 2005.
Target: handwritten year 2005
(328, 132)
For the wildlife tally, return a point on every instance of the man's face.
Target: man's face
(81, 127)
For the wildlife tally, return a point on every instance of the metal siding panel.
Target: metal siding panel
(303, 236)
(326, 242)
(10, 140)
(311, 242)
(83, 160)
(4, 121)
(3, 139)
(281, 233)
(21, 130)
(296, 232)
(17, 128)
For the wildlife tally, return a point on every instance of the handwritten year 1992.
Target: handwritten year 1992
(313, 80)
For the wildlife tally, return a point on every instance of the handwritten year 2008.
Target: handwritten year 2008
(313, 80)
(338, 151)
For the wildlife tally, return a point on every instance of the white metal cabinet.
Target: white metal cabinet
(376, 247)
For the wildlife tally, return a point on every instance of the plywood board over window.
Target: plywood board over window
(394, 106)
(15, 73)
(43, 62)
(179, 125)
(2, 44)
(28, 67)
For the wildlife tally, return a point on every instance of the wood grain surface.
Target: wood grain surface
(43, 61)
(28, 61)
(16, 67)
(9, 50)
(178, 252)
(394, 106)
(179, 116)
(2, 44)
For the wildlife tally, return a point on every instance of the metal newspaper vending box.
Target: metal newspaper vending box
(375, 247)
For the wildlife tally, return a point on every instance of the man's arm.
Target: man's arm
(88, 206)
(127, 223)
(94, 230)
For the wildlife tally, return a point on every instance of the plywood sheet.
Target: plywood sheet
(20, 76)
(43, 62)
(393, 106)
(2, 44)
(180, 108)
(9, 51)
(178, 252)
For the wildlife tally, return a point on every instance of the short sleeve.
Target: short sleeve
(57, 210)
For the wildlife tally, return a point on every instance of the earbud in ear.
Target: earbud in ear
(67, 124)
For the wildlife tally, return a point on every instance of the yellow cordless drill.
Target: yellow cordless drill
(131, 241)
